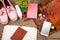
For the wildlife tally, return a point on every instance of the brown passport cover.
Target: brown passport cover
(19, 34)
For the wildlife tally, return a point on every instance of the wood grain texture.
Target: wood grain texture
(21, 22)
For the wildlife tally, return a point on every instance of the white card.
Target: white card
(45, 28)
(10, 29)
(19, 12)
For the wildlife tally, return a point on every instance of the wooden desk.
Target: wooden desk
(21, 22)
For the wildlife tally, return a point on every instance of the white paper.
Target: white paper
(32, 33)
(10, 29)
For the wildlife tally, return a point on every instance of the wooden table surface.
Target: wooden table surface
(21, 22)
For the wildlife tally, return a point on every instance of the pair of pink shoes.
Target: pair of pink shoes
(7, 10)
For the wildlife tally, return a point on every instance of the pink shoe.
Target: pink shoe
(11, 10)
(3, 15)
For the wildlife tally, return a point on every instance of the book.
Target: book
(9, 31)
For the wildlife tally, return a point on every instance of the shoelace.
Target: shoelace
(3, 11)
(9, 9)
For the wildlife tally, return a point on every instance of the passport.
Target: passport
(19, 34)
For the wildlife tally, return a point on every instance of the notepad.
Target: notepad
(32, 10)
(9, 30)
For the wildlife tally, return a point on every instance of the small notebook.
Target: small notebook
(32, 10)
(19, 34)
